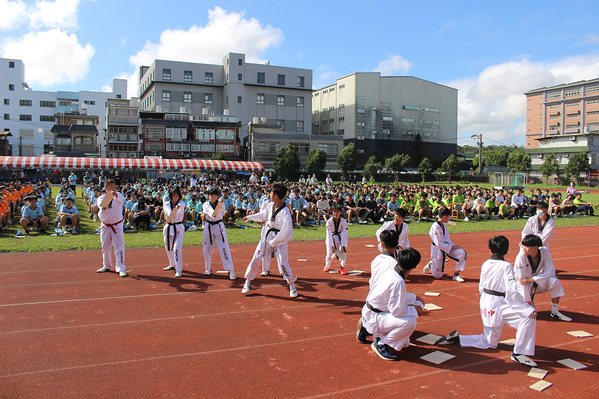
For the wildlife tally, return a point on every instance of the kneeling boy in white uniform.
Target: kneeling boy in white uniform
(397, 224)
(443, 247)
(336, 239)
(535, 274)
(274, 240)
(501, 303)
(390, 312)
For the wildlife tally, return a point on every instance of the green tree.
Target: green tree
(578, 163)
(495, 157)
(317, 160)
(451, 166)
(372, 166)
(398, 162)
(550, 167)
(519, 161)
(418, 151)
(346, 160)
(218, 156)
(287, 164)
(425, 168)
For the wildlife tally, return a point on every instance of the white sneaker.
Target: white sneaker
(466, 219)
(207, 273)
(246, 288)
(560, 316)
(102, 270)
(458, 278)
(427, 268)
(178, 274)
(523, 360)
(293, 292)
(74, 230)
(232, 275)
(264, 274)
(123, 274)
(169, 267)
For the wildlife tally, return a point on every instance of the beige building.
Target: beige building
(563, 120)
(382, 115)
(122, 129)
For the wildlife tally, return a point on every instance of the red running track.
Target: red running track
(67, 332)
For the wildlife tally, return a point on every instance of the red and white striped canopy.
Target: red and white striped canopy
(128, 163)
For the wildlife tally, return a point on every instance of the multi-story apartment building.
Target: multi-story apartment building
(181, 135)
(247, 90)
(383, 114)
(30, 114)
(122, 132)
(563, 120)
(75, 135)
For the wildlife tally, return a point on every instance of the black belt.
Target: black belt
(210, 224)
(272, 249)
(169, 246)
(494, 293)
(375, 310)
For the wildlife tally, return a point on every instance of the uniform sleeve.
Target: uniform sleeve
(439, 239)
(286, 232)
(166, 207)
(405, 233)
(512, 296)
(259, 216)
(344, 232)
(384, 227)
(548, 269)
(521, 271)
(548, 231)
(119, 199)
(207, 208)
(397, 302)
(528, 229)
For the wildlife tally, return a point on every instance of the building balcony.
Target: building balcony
(552, 132)
(115, 137)
(573, 130)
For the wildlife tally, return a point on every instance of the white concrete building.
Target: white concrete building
(30, 114)
(383, 114)
(279, 94)
(564, 147)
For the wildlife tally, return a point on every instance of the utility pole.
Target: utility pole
(480, 151)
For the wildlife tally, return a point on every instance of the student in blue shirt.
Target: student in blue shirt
(252, 207)
(34, 216)
(296, 205)
(69, 215)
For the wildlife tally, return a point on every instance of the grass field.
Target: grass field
(87, 239)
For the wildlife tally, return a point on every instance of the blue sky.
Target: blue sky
(491, 51)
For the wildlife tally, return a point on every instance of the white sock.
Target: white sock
(554, 308)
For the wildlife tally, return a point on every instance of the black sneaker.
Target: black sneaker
(384, 351)
(362, 333)
(453, 338)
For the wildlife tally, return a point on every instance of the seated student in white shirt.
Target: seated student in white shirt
(500, 303)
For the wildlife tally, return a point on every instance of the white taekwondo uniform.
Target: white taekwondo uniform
(336, 237)
(215, 234)
(441, 247)
(535, 226)
(403, 231)
(543, 275)
(173, 234)
(111, 232)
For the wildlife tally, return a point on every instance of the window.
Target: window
(11, 64)
(299, 126)
(260, 78)
(24, 117)
(329, 148)
(268, 148)
(341, 132)
(555, 94)
(360, 97)
(176, 133)
(186, 97)
(388, 118)
(88, 102)
(64, 103)
(260, 98)
(240, 62)
(281, 80)
(431, 109)
(63, 141)
(6, 117)
(574, 104)
(410, 107)
(46, 118)
(554, 106)
(571, 93)
(409, 120)
(208, 98)
(316, 94)
(574, 115)
(325, 91)
(153, 147)
(166, 96)
(591, 89)
(342, 86)
(209, 78)
(280, 122)
(431, 122)
(359, 111)
(49, 104)
(6, 101)
(331, 108)
(187, 76)
(574, 126)
(239, 99)
(554, 127)
(341, 118)
(280, 100)
(204, 134)
(554, 116)
(239, 76)
(225, 134)
(300, 81)
(300, 102)
(11, 87)
(332, 89)
(177, 147)
(25, 103)
(118, 96)
(592, 113)
(593, 101)
(341, 106)
(166, 74)
(360, 124)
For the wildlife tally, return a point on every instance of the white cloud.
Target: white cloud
(588, 39)
(393, 64)
(13, 14)
(60, 14)
(493, 102)
(225, 32)
(449, 24)
(51, 57)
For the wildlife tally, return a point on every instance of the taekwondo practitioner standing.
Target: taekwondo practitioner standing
(336, 239)
(541, 225)
(501, 303)
(215, 234)
(174, 230)
(274, 241)
(535, 274)
(443, 247)
(398, 224)
(390, 312)
(111, 231)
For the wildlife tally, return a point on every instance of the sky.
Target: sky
(492, 52)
